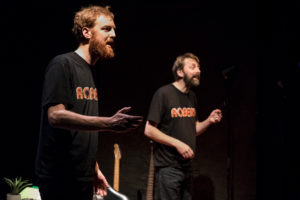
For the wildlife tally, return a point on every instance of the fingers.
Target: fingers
(134, 118)
(216, 115)
(101, 191)
(133, 121)
(122, 122)
(130, 121)
(125, 110)
(185, 151)
(218, 112)
(101, 186)
(188, 154)
(129, 117)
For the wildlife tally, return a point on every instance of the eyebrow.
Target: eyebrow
(108, 26)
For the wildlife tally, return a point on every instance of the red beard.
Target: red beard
(100, 49)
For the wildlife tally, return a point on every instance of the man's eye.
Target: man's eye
(106, 28)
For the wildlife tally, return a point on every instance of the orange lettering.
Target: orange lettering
(193, 112)
(79, 93)
(188, 112)
(184, 112)
(179, 111)
(95, 94)
(85, 91)
(173, 113)
(91, 96)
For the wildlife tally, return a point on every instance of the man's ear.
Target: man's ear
(180, 73)
(86, 32)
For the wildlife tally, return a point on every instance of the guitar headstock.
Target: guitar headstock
(117, 151)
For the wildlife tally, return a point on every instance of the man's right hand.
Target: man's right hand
(122, 122)
(185, 150)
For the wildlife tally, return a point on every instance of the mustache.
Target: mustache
(110, 42)
(196, 76)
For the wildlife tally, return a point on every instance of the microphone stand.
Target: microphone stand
(227, 74)
(229, 145)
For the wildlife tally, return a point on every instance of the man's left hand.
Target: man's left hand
(215, 116)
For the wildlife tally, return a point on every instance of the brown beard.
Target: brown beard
(190, 82)
(99, 49)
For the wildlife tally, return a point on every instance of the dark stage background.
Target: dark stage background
(249, 155)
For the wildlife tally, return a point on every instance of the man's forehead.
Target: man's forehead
(190, 61)
(105, 20)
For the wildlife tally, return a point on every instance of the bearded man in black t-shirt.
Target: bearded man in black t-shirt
(172, 123)
(66, 165)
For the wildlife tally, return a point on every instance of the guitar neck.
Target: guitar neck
(116, 175)
(149, 194)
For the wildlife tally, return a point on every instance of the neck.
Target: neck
(180, 85)
(83, 51)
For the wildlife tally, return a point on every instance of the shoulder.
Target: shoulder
(60, 62)
(165, 89)
(162, 91)
(62, 58)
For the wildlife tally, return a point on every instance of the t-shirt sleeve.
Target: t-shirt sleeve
(57, 85)
(156, 109)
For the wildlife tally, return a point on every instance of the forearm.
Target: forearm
(155, 134)
(71, 120)
(214, 117)
(59, 117)
(202, 126)
(97, 170)
(97, 167)
(160, 137)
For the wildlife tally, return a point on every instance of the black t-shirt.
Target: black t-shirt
(69, 80)
(174, 113)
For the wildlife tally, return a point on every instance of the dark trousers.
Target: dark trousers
(51, 189)
(173, 183)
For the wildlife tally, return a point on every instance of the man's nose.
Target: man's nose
(112, 33)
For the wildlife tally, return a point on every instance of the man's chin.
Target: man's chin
(194, 82)
(197, 82)
(108, 55)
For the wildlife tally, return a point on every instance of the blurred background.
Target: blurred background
(250, 63)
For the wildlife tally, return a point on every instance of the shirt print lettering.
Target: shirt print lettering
(86, 93)
(183, 112)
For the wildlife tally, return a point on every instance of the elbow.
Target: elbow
(147, 131)
(150, 130)
(53, 119)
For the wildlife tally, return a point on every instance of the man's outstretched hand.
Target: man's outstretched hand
(123, 122)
